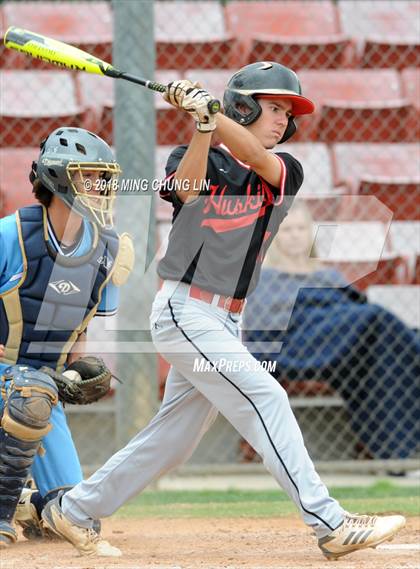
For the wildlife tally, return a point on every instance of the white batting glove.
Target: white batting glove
(191, 98)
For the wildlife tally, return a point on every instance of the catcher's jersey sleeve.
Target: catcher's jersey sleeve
(109, 301)
(11, 263)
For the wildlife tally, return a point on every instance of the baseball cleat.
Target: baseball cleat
(86, 540)
(359, 532)
(7, 535)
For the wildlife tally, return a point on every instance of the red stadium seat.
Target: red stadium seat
(362, 251)
(163, 208)
(191, 34)
(417, 271)
(411, 89)
(387, 33)
(323, 200)
(365, 273)
(297, 34)
(214, 81)
(355, 106)
(15, 188)
(402, 300)
(316, 161)
(411, 85)
(404, 239)
(390, 172)
(33, 103)
(97, 95)
(161, 158)
(172, 126)
(87, 25)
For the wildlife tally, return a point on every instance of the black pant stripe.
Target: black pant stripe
(258, 414)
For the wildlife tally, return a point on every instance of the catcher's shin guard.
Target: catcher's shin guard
(7, 534)
(29, 399)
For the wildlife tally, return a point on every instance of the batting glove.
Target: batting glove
(191, 98)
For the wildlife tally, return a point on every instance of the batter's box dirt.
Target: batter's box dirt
(277, 543)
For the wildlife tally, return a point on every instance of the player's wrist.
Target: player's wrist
(205, 128)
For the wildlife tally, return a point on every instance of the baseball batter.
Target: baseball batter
(226, 211)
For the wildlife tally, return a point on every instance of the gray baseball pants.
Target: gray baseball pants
(211, 371)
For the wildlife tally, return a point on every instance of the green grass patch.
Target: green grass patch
(379, 498)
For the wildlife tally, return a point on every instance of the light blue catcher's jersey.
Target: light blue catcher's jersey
(11, 262)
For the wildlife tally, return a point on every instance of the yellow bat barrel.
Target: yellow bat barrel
(56, 52)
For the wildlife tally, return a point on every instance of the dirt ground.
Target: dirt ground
(280, 543)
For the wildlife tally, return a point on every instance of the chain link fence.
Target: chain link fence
(346, 356)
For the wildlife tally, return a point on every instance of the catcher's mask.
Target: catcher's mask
(264, 78)
(68, 159)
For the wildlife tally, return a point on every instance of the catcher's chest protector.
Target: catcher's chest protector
(55, 297)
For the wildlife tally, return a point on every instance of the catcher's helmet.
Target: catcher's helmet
(68, 150)
(264, 78)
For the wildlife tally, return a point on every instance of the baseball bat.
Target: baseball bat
(65, 55)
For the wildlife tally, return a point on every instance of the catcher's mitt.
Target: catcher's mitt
(85, 381)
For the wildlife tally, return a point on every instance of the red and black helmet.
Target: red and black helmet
(264, 78)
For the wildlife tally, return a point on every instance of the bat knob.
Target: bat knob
(214, 106)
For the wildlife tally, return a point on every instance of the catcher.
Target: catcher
(61, 264)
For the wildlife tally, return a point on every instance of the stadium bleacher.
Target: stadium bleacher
(411, 85)
(417, 271)
(362, 250)
(386, 34)
(323, 197)
(298, 34)
(192, 35)
(363, 274)
(163, 208)
(355, 105)
(402, 300)
(15, 188)
(50, 102)
(410, 78)
(172, 127)
(388, 171)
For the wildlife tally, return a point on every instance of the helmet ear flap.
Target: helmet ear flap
(290, 130)
(232, 103)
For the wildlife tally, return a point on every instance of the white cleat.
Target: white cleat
(359, 532)
(86, 540)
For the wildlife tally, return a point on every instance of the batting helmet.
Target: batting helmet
(261, 79)
(68, 151)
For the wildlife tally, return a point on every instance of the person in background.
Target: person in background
(331, 333)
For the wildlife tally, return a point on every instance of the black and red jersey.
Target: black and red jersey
(218, 241)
